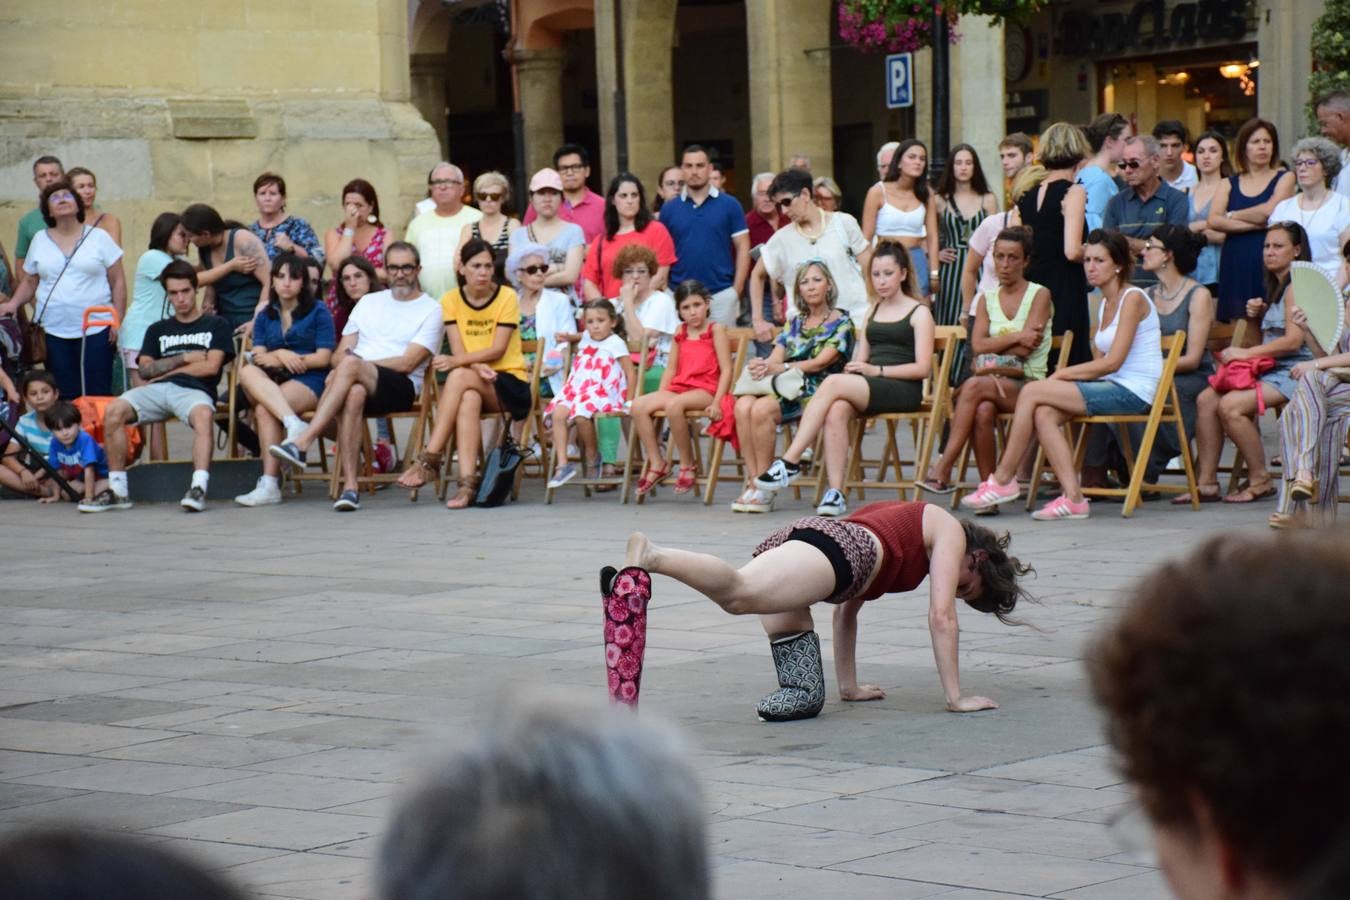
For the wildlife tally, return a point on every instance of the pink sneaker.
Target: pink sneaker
(991, 493)
(1061, 508)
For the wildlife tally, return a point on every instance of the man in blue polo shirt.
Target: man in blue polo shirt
(1146, 202)
(711, 238)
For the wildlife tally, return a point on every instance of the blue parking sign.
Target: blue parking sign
(899, 80)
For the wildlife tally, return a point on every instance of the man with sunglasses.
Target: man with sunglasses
(377, 368)
(1146, 201)
(435, 233)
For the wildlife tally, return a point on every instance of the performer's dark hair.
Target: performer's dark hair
(999, 573)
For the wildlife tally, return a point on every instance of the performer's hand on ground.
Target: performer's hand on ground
(971, 704)
(861, 693)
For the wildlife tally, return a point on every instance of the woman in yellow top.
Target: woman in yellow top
(486, 369)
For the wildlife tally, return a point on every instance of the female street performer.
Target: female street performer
(880, 549)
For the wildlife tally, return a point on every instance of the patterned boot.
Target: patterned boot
(801, 679)
(625, 595)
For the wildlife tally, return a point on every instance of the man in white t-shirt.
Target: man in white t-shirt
(1172, 166)
(435, 233)
(378, 367)
(1333, 117)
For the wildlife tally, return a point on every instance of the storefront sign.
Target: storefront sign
(1027, 105)
(1151, 25)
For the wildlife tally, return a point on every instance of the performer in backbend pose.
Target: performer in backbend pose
(881, 548)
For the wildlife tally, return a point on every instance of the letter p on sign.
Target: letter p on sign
(899, 80)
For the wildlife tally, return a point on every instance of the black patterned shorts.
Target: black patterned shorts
(850, 548)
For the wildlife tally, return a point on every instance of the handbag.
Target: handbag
(35, 345)
(499, 472)
(787, 385)
(1243, 375)
(1002, 364)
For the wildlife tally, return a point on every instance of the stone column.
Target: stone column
(428, 94)
(790, 105)
(540, 75)
(1282, 40)
(977, 95)
(648, 40)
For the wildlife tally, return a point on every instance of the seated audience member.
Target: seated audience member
(181, 361)
(71, 864)
(17, 473)
(293, 343)
(485, 370)
(1223, 686)
(1234, 412)
(381, 360)
(817, 340)
(1121, 380)
(1010, 343)
(489, 821)
(73, 452)
(544, 313)
(893, 356)
(1313, 427)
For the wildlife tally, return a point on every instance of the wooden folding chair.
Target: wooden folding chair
(1164, 410)
(1060, 345)
(624, 479)
(718, 459)
(926, 422)
(421, 414)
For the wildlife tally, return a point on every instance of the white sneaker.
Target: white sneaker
(262, 495)
(832, 504)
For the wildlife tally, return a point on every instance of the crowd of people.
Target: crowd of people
(1138, 236)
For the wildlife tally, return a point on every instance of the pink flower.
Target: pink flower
(623, 635)
(628, 692)
(609, 632)
(618, 610)
(628, 666)
(612, 654)
(636, 602)
(614, 682)
(639, 645)
(625, 584)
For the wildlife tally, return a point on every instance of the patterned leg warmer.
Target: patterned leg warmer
(801, 679)
(625, 595)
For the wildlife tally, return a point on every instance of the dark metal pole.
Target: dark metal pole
(620, 104)
(941, 95)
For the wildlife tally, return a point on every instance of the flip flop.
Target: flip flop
(934, 486)
(1248, 495)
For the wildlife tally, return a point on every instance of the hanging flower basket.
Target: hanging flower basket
(892, 26)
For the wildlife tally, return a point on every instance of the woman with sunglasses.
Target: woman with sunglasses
(493, 193)
(627, 221)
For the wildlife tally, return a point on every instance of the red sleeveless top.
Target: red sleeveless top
(898, 524)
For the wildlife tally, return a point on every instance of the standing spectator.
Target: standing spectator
(763, 218)
(711, 238)
(46, 170)
(1211, 163)
(1052, 206)
(801, 162)
(149, 304)
(668, 186)
(86, 185)
(1014, 155)
(902, 208)
(279, 231)
(493, 226)
(1241, 209)
(884, 158)
(437, 232)
(716, 176)
(829, 196)
(627, 221)
(978, 274)
(236, 291)
(69, 267)
(566, 242)
(1323, 212)
(1333, 117)
(963, 202)
(1233, 413)
(1145, 203)
(181, 362)
(361, 231)
(833, 239)
(1173, 141)
(382, 358)
(580, 205)
(1106, 135)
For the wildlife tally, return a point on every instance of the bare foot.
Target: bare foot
(641, 552)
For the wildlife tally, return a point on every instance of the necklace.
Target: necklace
(802, 231)
(1168, 298)
(1308, 222)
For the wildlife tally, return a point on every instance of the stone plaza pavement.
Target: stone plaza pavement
(254, 687)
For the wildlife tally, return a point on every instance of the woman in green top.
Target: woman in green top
(893, 356)
(1010, 321)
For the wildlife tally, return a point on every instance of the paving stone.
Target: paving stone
(133, 777)
(117, 811)
(1037, 874)
(287, 791)
(284, 829)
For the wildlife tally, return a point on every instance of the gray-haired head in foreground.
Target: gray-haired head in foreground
(554, 801)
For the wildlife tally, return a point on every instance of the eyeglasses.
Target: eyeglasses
(534, 270)
(489, 198)
(1152, 246)
(636, 271)
(444, 182)
(393, 269)
(60, 195)
(784, 202)
(1306, 163)
(1131, 163)
(576, 167)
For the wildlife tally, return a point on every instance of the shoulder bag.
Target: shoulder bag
(499, 471)
(787, 385)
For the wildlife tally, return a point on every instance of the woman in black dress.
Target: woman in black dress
(1053, 205)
